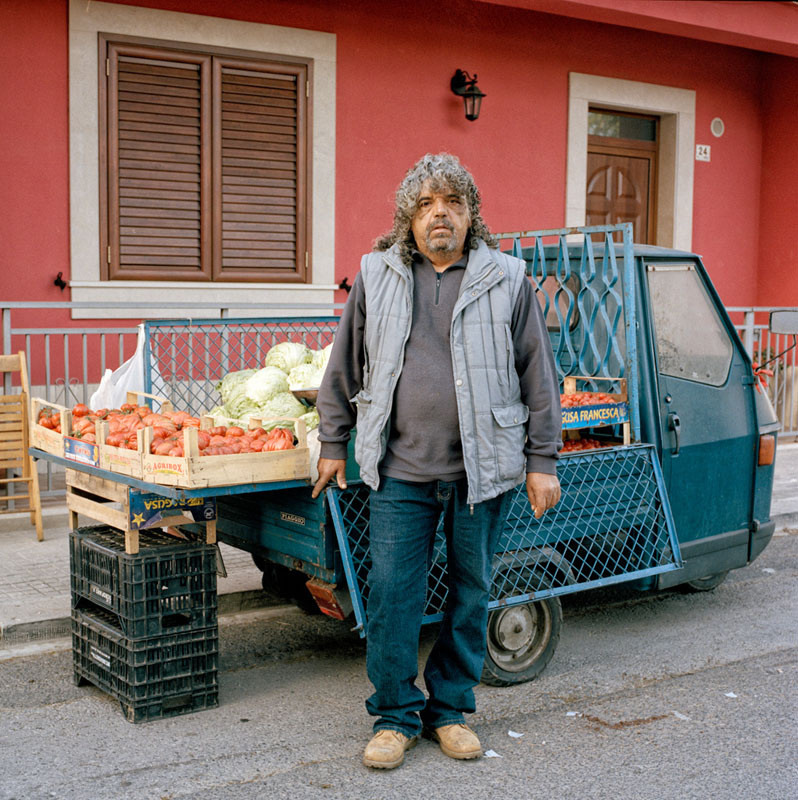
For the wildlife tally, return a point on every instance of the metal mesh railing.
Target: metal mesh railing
(612, 524)
(777, 352)
(185, 359)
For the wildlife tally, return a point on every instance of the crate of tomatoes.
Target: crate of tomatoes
(49, 422)
(173, 447)
(589, 409)
(210, 454)
(582, 409)
(105, 438)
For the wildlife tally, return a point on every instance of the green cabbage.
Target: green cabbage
(305, 376)
(321, 357)
(283, 404)
(240, 407)
(287, 355)
(232, 383)
(265, 384)
(232, 388)
(311, 419)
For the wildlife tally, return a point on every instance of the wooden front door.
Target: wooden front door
(622, 172)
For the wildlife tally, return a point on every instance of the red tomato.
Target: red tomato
(278, 443)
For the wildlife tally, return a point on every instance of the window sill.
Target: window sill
(210, 300)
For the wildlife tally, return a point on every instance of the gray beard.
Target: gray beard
(440, 246)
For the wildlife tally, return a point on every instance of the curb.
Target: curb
(61, 627)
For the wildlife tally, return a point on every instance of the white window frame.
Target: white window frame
(86, 21)
(676, 110)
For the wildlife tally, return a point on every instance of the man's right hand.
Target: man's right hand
(330, 468)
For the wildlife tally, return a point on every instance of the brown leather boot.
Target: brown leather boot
(386, 749)
(457, 741)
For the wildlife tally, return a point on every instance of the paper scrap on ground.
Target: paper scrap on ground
(573, 713)
(730, 694)
(492, 754)
(769, 570)
(514, 734)
(679, 716)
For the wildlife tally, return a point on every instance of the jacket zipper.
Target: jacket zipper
(465, 356)
(408, 280)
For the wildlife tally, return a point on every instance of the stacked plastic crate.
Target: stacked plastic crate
(144, 626)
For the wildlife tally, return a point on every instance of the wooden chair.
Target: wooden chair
(14, 438)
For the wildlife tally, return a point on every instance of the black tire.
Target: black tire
(705, 584)
(521, 641)
(290, 585)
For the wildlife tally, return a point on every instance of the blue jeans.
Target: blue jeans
(403, 519)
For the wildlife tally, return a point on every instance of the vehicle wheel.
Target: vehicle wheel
(705, 584)
(289, 584)
(521, 641)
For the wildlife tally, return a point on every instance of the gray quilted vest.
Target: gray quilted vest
(492, 416)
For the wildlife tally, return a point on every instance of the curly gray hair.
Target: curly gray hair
(444, 173)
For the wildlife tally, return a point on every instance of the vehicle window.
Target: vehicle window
(691, 340)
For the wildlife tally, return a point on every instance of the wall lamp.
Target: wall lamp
(463, 85)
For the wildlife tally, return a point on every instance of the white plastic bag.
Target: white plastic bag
(129, 377)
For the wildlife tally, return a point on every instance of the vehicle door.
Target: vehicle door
(705, 397)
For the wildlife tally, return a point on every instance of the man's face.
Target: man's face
(440, 224)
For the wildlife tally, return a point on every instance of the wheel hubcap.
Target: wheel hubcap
(518, 635)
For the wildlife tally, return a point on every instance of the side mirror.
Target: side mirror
(784, 321)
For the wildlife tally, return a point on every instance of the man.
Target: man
(443, 364)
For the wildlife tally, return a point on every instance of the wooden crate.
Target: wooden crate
(108, 502)
(45, 439)
(195, 472)
(118, 459)
(569, 387)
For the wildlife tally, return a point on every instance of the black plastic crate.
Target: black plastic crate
(152, 677)
(169, 586)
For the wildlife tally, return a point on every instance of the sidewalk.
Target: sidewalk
(35, 602)
(34, 576)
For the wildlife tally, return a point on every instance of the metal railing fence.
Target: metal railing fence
(67, 363)
(751, 323)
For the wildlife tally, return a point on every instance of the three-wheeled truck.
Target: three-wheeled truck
(666, 470)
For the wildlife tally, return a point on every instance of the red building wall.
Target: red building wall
(394, 104)
(34, 158)
(778, 243)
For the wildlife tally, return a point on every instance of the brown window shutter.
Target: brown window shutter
(259, 171)
(159, 204)
(204, 164)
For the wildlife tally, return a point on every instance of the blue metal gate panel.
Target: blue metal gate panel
(585, 282)
(613, 524)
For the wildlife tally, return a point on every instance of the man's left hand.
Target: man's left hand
(543, 491)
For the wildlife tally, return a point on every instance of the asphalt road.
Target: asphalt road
(648, 696)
